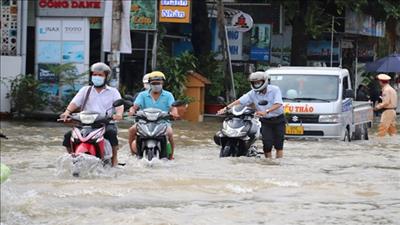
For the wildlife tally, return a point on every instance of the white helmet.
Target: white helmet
(146, 78)
(258, 80)
(101, 67)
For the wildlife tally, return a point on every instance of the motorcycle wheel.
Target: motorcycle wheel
(225, 151)
(150, 154)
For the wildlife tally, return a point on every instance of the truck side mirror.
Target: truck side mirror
(348, 93)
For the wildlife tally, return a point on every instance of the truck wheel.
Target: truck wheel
(357, 135)
(347, 137)
(365, 132)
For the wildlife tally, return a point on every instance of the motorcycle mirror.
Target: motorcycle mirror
(178, 103)
(127, 104)
(129, 97)
(118, 102)
(221, 100)
(263, 102)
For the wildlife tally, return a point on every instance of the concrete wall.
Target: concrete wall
(10, 68)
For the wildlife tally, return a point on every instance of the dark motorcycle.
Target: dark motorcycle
(240, 130)
(152, 138)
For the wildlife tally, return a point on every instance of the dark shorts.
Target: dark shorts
(273, 132)
(110, 135)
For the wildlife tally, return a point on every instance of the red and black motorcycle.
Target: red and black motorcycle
(88, 135)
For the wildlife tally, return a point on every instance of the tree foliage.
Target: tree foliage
(312, 18)
(26, 95)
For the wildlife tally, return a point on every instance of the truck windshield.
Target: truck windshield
(307, 87)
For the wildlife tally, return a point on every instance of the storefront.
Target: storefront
(13, 47)
(62, 34)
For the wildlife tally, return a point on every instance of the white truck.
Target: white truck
(318, 103)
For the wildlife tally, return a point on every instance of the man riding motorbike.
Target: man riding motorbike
(158, 98)
(98, 98)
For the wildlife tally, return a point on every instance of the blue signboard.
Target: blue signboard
(261, 42)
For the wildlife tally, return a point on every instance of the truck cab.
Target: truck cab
(318, 103)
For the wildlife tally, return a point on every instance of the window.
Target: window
(345, 85)
(307, 87)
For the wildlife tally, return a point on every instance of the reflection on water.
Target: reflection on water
(317, 182)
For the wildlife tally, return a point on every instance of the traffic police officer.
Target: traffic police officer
(272, 118)
(388, 105)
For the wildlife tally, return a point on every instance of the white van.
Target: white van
(318, 103)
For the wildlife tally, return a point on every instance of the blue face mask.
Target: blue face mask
(98, 81)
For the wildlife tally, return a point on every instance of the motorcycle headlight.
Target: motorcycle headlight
(233, 132)
(87, 118)
(152, 116)
(229, 132)
(329, 118)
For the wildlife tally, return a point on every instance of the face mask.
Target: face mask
(156, 88)
(98, 81)
(257, 84)
(146, 86)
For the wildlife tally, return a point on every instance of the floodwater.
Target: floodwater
(317, 182)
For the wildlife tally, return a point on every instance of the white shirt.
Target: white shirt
(272, 95)
(97, 102)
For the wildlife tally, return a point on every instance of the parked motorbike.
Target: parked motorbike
(88, 135)
(151, 139)
(240, 130)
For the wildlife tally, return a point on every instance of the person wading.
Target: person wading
(272, 118)
(388, 105)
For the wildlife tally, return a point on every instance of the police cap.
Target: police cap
(383, 76)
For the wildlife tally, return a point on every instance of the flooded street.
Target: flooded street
(317, 182)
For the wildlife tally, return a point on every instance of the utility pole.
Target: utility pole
(332, 30)
(114, 58)
(226, 57)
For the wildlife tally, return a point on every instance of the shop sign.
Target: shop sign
(60, 41)
(235, 43)
(45, 74)
(49, 29)
(320, 51)
(261, 42)
(242, 22)
(347, 44)
(175, 11)
(73, 30)
(143, 15)
(70, 8)
(359, 23)
(48, 51)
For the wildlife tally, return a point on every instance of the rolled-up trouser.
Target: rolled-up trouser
(273, 133)
(110, 134)
(388, 123)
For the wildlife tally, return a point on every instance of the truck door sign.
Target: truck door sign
(298, 108)
(347, 105)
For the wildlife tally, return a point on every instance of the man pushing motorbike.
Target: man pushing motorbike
(272, 118)
(97, 98)
(155, 97)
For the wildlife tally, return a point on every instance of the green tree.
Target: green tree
(26, 95)
(311, 18)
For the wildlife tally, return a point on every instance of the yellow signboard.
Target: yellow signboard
(175, 11)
